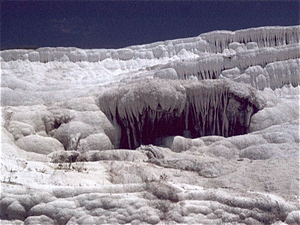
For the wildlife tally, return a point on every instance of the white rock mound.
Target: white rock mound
(39, 144)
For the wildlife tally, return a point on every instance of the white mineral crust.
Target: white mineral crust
(201, 130)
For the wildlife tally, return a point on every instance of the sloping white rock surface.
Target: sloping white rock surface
(62, 161)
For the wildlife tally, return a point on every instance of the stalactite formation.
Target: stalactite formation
(212, 42)
(156, 108)
(211, 67)
(203, 57)
(263, 36)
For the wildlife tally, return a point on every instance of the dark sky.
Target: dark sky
(114, 24)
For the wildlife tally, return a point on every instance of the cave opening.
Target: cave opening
(230, 118)
(150, 126)
(148, 113)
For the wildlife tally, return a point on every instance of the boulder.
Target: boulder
(71, 132)
(97, 141)
(179, 143)
(39, 144)
(32, 220)
(19, 129)
(264, 151)
(293, 218)
(16, 211)
(168, 74)
(100, 123)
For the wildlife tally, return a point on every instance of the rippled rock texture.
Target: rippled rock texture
(201, 130)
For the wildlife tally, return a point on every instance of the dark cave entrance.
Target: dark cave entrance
(226, 119)
(150, 126)
(154, 109)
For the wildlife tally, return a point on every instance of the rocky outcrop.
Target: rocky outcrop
(156, 108)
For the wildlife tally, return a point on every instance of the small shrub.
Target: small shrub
(79, 167)
(163, 177)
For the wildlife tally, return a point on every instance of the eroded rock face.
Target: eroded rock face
(156, 108)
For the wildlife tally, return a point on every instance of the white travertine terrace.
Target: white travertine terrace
(200, 130)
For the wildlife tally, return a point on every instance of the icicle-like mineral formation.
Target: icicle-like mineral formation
(203, 57)
(156, 108)
(263, 36)
(212, 42)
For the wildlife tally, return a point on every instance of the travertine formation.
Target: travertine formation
(153, 108)
(201, 130)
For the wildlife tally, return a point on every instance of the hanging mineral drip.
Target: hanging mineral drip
(153, 109)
